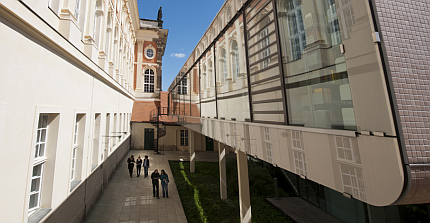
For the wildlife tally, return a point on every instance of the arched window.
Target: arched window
(235, 58)
(108, 33)
(204, 77)
(80, 12)
(211, 77)
(97, 22)
(182, 86)
(77, 9)
(296, 29)
(264, 35)
(223, 64)
(149, 81)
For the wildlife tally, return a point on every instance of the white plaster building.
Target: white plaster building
(66, 97)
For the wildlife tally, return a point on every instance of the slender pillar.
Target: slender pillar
(222, 171)
(244, 196)
(192, 152)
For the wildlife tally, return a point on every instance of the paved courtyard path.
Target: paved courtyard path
(130, 200)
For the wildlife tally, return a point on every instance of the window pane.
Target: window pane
(38, 136)
(43, 135)
(36, 151)
(45, 121)
(35, 183)
(37, 171)
(317, 89)
(33, 201)
(42, 149)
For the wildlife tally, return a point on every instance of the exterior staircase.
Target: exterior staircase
(155, 121)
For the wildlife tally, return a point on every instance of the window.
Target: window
(353, 181)
(222, 131)
(264, 43)
(42, 130)
(114, 129)
(298, 153)
(204, 77)
(184, 137)
(333, 23)
(95, 19)
(182, 87)
(268, 144)
(223, 64)
(96, 140)
(39, 162)
(211, 77)
(296, 29)
(78, 2)
(233, 138)
(149, 81)
(235, 58)
(150, 53)
(345, 150)
(36, 187)
(74, 148)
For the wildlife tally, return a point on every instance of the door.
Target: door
(149, 139)
(209, 144)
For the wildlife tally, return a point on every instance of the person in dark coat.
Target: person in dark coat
(155, 185)
(164, 183)
(145, 165)
(138, 165)
(130, 162)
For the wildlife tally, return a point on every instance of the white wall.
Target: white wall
(37, 76)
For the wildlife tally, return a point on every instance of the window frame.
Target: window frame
(77, 9)
(184, 137)
(149, 81)
(235, 58)
(39, 191)
(39, 160)
(183, 86)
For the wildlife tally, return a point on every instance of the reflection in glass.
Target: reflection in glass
(317, 86)
(320, 99)
(235, 59)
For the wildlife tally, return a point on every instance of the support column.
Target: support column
(192, 152)
(244, 196)
(222, 171)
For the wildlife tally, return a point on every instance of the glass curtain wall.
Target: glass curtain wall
(316, 79)
(207, 81)
(232, 82)
(266, 83)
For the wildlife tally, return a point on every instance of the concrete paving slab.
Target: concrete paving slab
(126, 199)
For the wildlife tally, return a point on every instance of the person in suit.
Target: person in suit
(130, 162)
(145, 165)
(138, 165)
(155, 185)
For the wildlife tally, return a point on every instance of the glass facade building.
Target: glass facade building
(326, 90)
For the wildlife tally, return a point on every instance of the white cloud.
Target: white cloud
(182, 49)
(177, 55)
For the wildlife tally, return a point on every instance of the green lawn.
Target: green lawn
(200, 197)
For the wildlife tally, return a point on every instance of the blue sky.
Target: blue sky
(186, 21)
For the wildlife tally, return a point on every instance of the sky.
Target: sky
(187, 21)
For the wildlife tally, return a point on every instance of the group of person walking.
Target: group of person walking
(155, 176)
